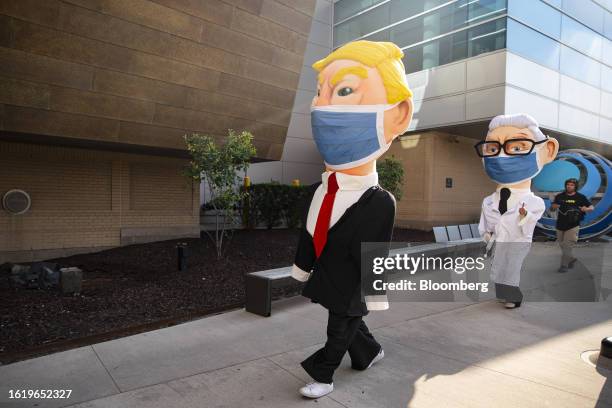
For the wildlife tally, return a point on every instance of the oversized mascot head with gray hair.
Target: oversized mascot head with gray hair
(515, 150)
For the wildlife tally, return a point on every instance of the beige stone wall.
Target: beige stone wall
(429, 158)
(83, 200)
(145, 72)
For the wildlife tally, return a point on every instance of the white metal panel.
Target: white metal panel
(321, 34)
(323, 12)
(307, 173)
(444, 80)
(486, 71)
(439, 111)
(265, 172)
(576, 93)
(531, 76)
(299, 126)
(314, 52)
(607, 48)
(544, 110)
(606, 104)
(417, 81)
(577, 121)
(308, 79)
(485, 103)
(303, 101)
(605, 130)
(300, 150)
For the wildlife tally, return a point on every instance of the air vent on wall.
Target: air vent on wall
(16, 201)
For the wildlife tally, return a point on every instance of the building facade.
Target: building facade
(470, 60)
(96, 96)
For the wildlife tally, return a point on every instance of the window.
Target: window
(451, 15)
(581, 37)
(361, 25)
(580, 66)
(587, 12)
(347, 8)
(532, 45)
(608, 25)
(402, 9)
(538, 15)
(487, 37)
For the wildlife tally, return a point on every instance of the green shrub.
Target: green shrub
(272, 203)
(391, 176)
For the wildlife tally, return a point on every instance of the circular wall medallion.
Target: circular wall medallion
(16, 201)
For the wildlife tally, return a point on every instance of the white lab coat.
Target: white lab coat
(512, 233)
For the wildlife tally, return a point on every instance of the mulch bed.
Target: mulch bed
(136, 288)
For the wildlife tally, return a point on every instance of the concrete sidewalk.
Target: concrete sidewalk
(437, 354)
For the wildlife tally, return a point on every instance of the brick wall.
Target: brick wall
(429, 158)
(83, 200)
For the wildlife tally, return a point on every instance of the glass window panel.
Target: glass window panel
(606, 78)
(556, 3)
(532, 45)
(608, 25)
(538, 15)
(487, 37)
(430, 25)
(401, 9)
(580, 66)
(580, 37)
(451, 17)
(413, 59)
(379, 36)
(346, 8)
(434, 53)
(587, 12)
(607, 52)
(361, 25)
(483, 9)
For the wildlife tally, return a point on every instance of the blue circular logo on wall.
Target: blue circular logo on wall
(594, 173)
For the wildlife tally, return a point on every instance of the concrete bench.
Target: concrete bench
(259, 289)
(259, 284)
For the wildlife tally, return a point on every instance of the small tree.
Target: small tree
(219, 166)
(391, 176)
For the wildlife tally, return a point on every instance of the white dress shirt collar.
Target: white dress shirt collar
(350, 182)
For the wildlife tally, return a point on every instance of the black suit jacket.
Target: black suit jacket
(336, 277)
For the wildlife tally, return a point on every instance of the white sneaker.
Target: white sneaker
(379, 356)
(512, 305)
(316, 389)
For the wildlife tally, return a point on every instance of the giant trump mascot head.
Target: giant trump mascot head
(363, 102)
(515, 150)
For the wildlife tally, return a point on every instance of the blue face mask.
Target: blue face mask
(349, 135)
(512, 169)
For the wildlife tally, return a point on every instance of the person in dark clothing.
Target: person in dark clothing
(572, 207)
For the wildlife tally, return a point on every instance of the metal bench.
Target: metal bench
(451, 233)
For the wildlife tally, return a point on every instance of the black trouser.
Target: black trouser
(508, 293)
(344, 333)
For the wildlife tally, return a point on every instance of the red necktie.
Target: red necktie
(320, 233)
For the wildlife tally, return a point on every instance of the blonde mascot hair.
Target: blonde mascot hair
(384, 56)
